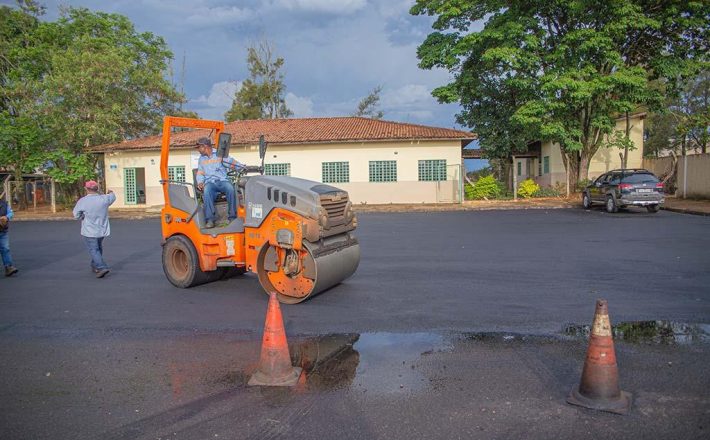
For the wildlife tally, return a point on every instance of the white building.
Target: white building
(375, 161)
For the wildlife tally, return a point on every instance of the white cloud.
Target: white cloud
(211, 16)
(394, 8)
(217, 102)
(327, 6)
(302, 107)
(410, 95)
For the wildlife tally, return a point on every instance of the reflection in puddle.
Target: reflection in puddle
(651, 332)
(386, 363)
(369, 362)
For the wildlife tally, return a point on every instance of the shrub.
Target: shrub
(547, 192)
(527, 188)
(582, 184)
(486, 187)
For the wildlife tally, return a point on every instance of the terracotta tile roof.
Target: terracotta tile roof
(301, 131)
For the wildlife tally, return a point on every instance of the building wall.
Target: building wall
(306, 162)
(605, 159)
(556, 170)
(692, 173)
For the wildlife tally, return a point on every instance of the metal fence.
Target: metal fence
(37, 193)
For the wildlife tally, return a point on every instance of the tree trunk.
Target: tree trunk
(20, 188)
(625, 157)
(572, 166)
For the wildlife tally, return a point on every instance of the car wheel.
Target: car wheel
(653, 208)
(586, 201)
(611, 204)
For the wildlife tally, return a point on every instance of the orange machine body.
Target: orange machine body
(302, 246)
(237, 249)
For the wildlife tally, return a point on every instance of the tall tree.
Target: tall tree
(572, 66)
(88, 78)
(692, 111)
(684, 122)
(23, 64)
(367, 107)
(261, 96)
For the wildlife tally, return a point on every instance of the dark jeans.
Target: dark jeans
(212, 190)
(96, 250)
(5, 249)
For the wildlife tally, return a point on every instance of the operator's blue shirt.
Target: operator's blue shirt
(214, 168)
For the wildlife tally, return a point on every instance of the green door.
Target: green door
(129, 186)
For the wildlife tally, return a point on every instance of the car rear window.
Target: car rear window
(640, 178)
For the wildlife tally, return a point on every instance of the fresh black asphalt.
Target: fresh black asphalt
(451, 327)
(524, 271)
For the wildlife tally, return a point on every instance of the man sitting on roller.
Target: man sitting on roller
(212, 180)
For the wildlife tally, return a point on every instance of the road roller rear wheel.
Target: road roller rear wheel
(290, 289)
(181, 264)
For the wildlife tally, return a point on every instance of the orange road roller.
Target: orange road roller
(296, 235)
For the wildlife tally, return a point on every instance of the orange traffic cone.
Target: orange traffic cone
(275, 367)
(599, 387)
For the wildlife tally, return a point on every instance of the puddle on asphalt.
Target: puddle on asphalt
(387, 363)
(651, 332)
(380, 363)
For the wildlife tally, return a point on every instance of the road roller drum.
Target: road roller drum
(298, 275)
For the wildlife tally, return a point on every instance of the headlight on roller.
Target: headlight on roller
(322, 217)
(349, 214)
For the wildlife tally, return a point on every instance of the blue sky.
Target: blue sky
(335, 51)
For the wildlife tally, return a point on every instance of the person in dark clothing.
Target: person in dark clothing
(6, 215)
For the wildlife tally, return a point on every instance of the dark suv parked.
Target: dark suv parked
(620, 188)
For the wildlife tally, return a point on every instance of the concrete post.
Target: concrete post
(34, 194)
(8, 192)
(54, 196)
(515, 180)
(685, 175)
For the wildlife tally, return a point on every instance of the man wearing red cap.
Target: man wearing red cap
(92, 210)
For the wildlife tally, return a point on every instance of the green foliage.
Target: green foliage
(486, 187)
(477, 174)
(261, 95)
(367, 107)
(582, 184)
(684, 122)
(559, 71)
(545, 191)
(527, 188)
(87, 79)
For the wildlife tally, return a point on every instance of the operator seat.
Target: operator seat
(220, 206)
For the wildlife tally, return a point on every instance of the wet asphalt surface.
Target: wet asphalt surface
(452, 327)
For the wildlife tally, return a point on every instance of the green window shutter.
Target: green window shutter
(176, 173)
(546, 165)
(383, 171)
(520, 168)
(277, 169)
(432, 170)
(335, 172)
(129, 186)
(539, 167)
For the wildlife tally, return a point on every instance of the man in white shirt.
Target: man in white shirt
(92, 210)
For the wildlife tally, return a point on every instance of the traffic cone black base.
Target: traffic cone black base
(289, 380)
(620, 405)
